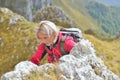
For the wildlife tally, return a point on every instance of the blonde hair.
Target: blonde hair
(47, 27)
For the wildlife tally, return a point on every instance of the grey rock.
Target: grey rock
(24, 69)
(4, 10)
(26, 8)
(56, 15)
(1, 19)
(83, 64)
(80, 64)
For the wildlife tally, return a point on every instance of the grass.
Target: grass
(13, 46)
(108, 51)
(44, 75)
(15, 50)
(83, 21)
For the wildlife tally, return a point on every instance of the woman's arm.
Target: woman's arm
(38, 55)
(69, 43)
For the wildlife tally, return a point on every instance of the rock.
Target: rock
(4, 10)
(13, 75)
(1, 19)
(22, 70)
(11, 43)
(25, 68)
(13, 21)
(1, 41)
(26, 8)
(56, 15)
(26, 42)
(90, 31)
(83, 64)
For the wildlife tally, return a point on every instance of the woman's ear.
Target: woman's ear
(55, 34)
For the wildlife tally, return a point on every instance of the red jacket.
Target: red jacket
(54, 52)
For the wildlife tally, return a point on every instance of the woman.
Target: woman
(50, 38)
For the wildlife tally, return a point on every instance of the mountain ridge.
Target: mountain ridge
(115, 3)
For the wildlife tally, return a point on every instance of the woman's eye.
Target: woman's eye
(45, 37)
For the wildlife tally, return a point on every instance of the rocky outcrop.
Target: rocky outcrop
(56, 15)
(83, 64)
(24, 69)
(26, 8)
(80, 64)
(37, 10)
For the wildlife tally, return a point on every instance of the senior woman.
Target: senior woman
(50, 38)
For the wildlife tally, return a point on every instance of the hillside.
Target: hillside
(17, 39)
(77, 14)
(89, 14)
(99, 16)
(18, 42)
(108, 51)
(108, 17)
(80, 64)
(115, 3)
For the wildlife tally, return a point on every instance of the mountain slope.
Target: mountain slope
(107, 17)
(82, 12)
(17, 39)
(78, 15)
(115, 3)
(108, 51)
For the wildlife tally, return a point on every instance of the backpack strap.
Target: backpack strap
(63, 51)
(51, 55)
(44, 53)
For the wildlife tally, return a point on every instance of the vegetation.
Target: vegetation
(44, 75)
(56, 15)
(108, 18)
(108, 51)
(77, 13)
(18, 42)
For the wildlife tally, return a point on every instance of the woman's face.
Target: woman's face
(44, 38)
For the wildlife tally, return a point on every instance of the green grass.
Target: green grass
(74, 11)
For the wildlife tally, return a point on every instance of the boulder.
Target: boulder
(25, 69)
(56, 15)
(83, 64)
(26, 8)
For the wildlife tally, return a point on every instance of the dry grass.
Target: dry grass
(14, 49)
(108, 51)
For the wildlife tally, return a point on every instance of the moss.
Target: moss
(14, 49)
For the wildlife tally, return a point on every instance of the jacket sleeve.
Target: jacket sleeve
(36, 58)
(69, 43)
